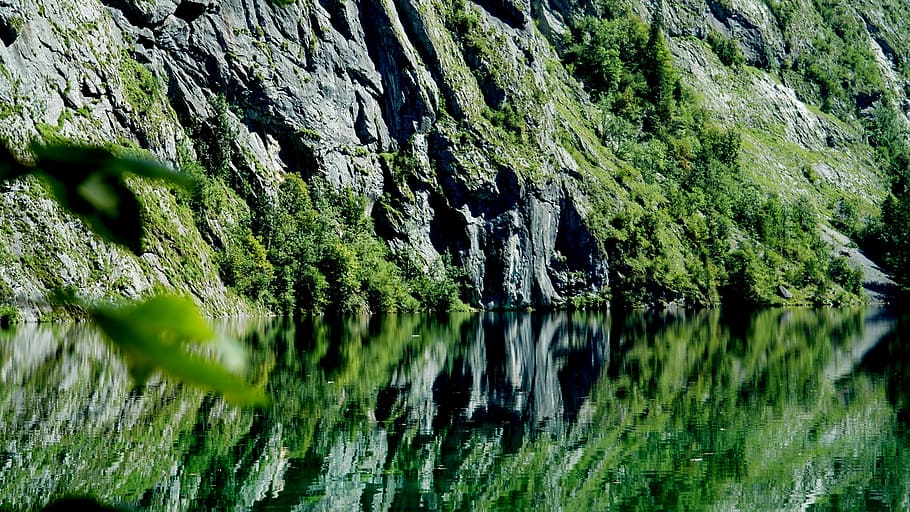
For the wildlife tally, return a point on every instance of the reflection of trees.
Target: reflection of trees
(71, 424)
(890, 361)
(891, 358)
(688, 412)
(511, 411)
(696, 413)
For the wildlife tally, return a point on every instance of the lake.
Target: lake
(779, 410)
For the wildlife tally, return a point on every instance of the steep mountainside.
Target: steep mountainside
(505, 148)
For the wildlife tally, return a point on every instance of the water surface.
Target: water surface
(780, 410)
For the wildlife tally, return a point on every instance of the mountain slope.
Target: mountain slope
(466, 129)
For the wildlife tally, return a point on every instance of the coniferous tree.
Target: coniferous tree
(896, 236)
(661, 78)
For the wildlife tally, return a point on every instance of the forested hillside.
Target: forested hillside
(385, 155)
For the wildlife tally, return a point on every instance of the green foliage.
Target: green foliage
(887, 237)
(843, 273)
(309, 133)
(846, 217)
(225, 222)
(291, 246)
(9, 316)
(749, 282)
(327, 257)
(606, 53)
(627, 66)
(464, 20)
(154, 334)
(894, 236)
(88, 181)
(140, 86)
(889, 137)
(697, 229)
(214, 141)
(245, 266)
(662, 79)
(726, 49)
(438, 288)
(230, 214)
(510, 120)
(784, 12)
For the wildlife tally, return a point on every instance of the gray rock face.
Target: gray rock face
(333, 84)
(65, 71)
(749, 22)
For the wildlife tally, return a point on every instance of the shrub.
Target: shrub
(9, 316)
(726, 49)
(749, 283)
(327, 257)
(846, 275)
(245, 267)
(437, 288)
(140, 87)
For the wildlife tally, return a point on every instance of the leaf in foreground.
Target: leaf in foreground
(88, 181)
(159, 333)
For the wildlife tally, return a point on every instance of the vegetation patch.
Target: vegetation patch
(327, 257)
(691, 225)
(141, 88)
(9, 316)
(726, 49)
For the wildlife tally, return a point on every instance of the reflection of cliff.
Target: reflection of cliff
(536, 368)
(725, 411)
(877, 326)
(510, 368)
(498, 373)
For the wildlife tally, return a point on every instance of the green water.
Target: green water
(781, 410)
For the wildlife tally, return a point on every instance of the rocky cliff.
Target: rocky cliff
(460, 123)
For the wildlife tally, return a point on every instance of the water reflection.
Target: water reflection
(777, 410)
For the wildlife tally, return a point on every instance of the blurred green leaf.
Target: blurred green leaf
(109, 208)
(158, 334)
(99, 195)
(72, 162)
(10, 167)
(88, 181)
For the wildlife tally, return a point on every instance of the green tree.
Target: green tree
(662, 79)
(726, 49)
(605, 53)
(748, 283)
(327, 256)
(896, 235)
